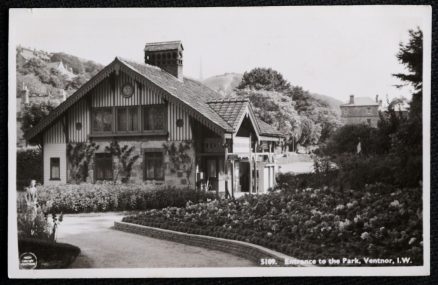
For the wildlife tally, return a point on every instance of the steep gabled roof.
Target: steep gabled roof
(230, 110)
(189, 91)
(268, 130)
(192, 94)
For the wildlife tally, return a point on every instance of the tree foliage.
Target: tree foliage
(290, 109)
(32, 115)
(263, 79)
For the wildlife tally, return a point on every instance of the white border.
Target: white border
(14, 272)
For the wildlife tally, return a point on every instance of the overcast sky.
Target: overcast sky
(334, 51)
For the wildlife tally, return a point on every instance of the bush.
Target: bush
(50, 255)
(85, 197)
(346, 138)
(29, 166)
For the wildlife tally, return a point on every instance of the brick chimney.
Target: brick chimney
(166, 55)
(351, 99)
(377, 98)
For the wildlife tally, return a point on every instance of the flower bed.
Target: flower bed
(380, 222)
(72, 198)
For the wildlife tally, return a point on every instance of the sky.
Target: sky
(335, 51)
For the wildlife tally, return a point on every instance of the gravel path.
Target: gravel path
(103, 247)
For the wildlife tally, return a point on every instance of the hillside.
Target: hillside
(332, 102)
(224, 84)
(46, 77)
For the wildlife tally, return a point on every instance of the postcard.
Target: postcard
(219, 142)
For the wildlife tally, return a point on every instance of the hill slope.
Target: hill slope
(47, 78)
(224, 84)
(332, 102)
(47, 75)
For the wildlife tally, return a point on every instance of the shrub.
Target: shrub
(379, 221)
(50, 255)
(85, 197)
(29, 166)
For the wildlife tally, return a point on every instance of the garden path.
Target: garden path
(103, 247)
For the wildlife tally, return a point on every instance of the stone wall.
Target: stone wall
(172, 177)
(243, 249)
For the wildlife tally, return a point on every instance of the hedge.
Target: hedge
(50, 255)
(29, 166)
(80, 198)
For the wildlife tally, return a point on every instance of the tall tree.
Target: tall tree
(408, 140)
(411, 56)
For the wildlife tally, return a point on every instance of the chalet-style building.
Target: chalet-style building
(182, 131)
(361, 110)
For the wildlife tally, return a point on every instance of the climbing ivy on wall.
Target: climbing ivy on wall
(125, 160)
(79, 156)
(179, 157)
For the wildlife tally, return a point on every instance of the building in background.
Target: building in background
(361, 110)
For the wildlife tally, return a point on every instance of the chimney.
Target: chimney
(166, 55)
(351, 99)
(377, 98)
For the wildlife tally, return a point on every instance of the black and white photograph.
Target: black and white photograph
(219, 142)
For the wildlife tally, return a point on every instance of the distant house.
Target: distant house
(63, 69)
(153, 107)
(361, 110)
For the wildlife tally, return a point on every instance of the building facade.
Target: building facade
(361, 110)
(181, 132)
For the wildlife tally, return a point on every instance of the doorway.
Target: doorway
(244, 179)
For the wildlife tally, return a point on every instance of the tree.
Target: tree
(33, 114)
(263, 79)
(276, 109)
(411, 56)
(346, 138)
(407, 142)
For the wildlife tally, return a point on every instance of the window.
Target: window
(102, 120)
(127, 119)
(55, 168)
(103, 166)
(154, 117)
(153, 166)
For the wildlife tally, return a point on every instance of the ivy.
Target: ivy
(179, 158)
(79, 156)
(125, 160)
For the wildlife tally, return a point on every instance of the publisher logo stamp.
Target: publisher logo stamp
(28, 260)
